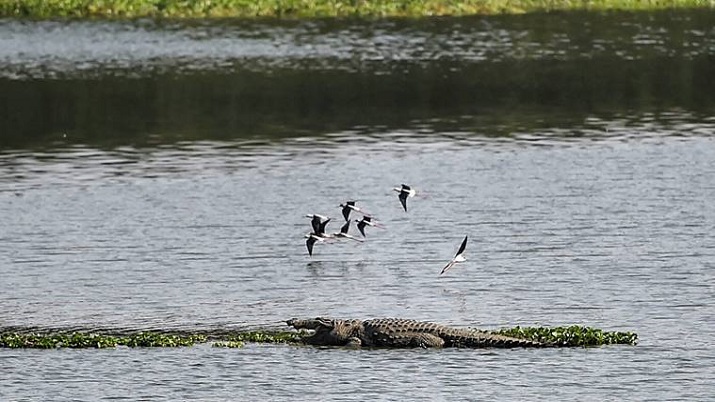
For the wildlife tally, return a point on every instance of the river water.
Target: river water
(156, 175)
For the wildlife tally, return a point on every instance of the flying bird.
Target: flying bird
(403, 193)
(459, 257)
(366, 221)
(319, 223)
(312, 238)
(348, 207)
(344, 232)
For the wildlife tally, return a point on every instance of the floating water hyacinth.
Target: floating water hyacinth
(229, 344)
(266, 337)
(91, 340)
(571, 336)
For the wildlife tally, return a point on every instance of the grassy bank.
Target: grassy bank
(562, 336)
(315, 8)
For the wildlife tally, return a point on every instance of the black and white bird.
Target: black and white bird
(366, 221)
(459, 257)
(403, 193)
(344, 232)
(319, 222)
(348, 207)
(312, 238)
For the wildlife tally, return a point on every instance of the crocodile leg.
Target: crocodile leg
(418, 340)
(403, 340)
(354, 342)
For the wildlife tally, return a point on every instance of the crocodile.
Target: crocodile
(400, 333)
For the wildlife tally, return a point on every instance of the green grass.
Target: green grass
(562, 336)
(315, 8)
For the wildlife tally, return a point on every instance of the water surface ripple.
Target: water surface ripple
(610, 233)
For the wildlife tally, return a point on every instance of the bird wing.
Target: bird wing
(403, 199)
(447, 267)
(315, 222)
(309, 243)
(361, 227)
(346, 213)
(322, 226)
(462, 247)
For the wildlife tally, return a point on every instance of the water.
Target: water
(156, 176)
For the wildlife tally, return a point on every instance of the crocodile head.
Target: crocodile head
(328, 331)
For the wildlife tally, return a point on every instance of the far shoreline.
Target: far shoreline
(297, 9)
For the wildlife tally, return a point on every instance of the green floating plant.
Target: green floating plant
(266, 337)
(152, 339)
(141, 339)
(91, 340)
(228, 344)
(69, 340)
(574, 335)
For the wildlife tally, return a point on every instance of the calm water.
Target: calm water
(156, 176)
